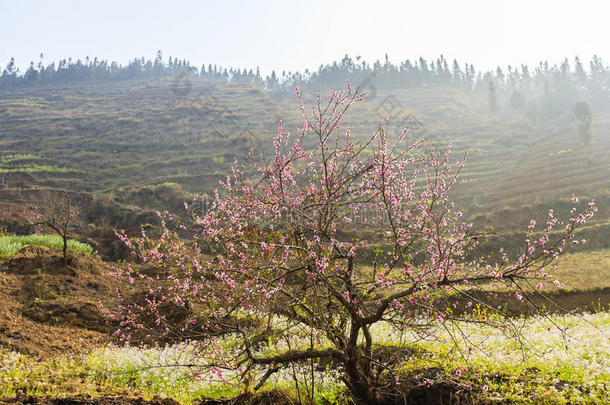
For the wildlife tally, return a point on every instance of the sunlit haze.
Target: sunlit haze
(295, 35)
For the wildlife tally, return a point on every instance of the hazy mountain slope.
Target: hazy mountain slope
(103, 137)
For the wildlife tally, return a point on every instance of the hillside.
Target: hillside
(151, 144)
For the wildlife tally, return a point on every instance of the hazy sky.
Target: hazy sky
(293, 35)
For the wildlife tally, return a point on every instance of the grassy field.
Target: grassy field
(10, 245)
(565, 359)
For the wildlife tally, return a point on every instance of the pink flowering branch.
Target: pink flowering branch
(297, 242)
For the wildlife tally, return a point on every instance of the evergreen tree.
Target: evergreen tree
(457, 72)
(579, 72)
(271, 82)
(11, 69)
(526, 79)
(32, 75)
(500, 75)
(492, 97)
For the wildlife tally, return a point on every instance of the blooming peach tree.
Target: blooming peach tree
(336, 236)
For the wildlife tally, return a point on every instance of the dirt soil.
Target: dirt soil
(50, 307)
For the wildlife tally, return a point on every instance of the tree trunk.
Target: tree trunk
(65, 238)
(360, 384)
(357, 369)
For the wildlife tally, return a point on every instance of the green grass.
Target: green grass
(17, 158)
(38, 169)
(28, 163)
(11, 244)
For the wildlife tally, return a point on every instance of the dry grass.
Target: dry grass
(584, 270)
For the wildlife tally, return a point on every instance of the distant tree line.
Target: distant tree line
(68, 70)
(550, 89)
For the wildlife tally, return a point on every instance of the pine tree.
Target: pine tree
(493, 101)
(457, 72)
(579, 72)
(500, 75)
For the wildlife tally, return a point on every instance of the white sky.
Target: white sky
(292, 35)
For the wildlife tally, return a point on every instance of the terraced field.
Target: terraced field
(104, 138)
